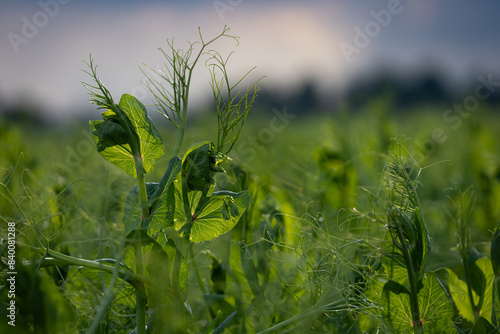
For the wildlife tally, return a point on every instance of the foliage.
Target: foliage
(330, 228)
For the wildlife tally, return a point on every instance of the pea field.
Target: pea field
(248, 220)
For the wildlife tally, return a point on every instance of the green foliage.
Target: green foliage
(482, 293)
(435, 309)
(304, 237)
(126, 133)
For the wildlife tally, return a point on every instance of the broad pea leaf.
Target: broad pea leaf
(477, 279)
(495, 263)
(395, 287)
(109, 134)
(179, 213)
(114, 135)
(210, 215)
(436, 310)
(495, 252)
(460, 296)
(482, 326)
(483, 299)
(207, 215)
(209, 222)
(395, 271)
(199, 166)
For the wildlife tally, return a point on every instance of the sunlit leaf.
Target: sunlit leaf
(483, 301)
(115, 135)
(210, 222)
(436, 310)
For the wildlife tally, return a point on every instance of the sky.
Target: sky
(43, 43)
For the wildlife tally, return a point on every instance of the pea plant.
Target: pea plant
(411, 298)
(163, 219)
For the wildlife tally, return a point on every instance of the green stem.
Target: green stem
(180, 133)
(55, 258)
(412, 277)
(292, 320)
(140, 291)
(106, 300)
(187, 206)
(142, 188)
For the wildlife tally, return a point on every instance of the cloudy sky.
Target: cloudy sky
(43, 43)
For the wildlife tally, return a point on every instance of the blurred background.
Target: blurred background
(316, 55)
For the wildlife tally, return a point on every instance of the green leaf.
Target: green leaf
(209, 222)
(477, 276)
(495, 252)
(109, 134)
(395, 271)
(482, 326)
(495, 263)
(211, 327)
(483, 296)
(486, 302)
(460, 296)
(224, 324)
(250, 271)
(219, 322)
(423, 240)
(178, 211)
(115, 135)
(395, 287)
(417, 237)
(199, 166)
(436, 310)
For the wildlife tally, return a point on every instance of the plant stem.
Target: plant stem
(55, 258)
(412, 277)
(142, 188)
(180, 132)
(292, 320)
(106, 300)
(140, 293)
